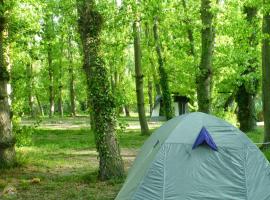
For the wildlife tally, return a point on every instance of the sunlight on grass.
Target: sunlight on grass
(65, 161)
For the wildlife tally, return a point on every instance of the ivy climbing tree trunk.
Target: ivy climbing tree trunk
(71, 79)
(247, 89)
(139, 79)
(7, 140)
(204, 77)
(266, 74)
(101, 100)
(166, 94)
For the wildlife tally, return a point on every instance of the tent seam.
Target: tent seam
(164, 173)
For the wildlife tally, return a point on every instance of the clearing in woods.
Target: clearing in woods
(61, 162)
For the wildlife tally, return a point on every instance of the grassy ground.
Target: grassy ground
(61, 163)
(63, 157)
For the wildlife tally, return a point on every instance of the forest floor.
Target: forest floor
(61, 161)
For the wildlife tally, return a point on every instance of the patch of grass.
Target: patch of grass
(65, 161)
(132, 139)
(257, 137)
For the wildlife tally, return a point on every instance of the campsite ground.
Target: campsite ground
(61, 162)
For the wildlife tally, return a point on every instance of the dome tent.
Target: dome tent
(180, 162)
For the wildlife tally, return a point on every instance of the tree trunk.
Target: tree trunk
(49, 36)
(39, 105)
(71, 80)
(204, 78)
(102, 103)
(127, 111)
(51, 81)
(29, 72)
(139, 79)
(266, 75)
(7, 140)
(60, 85)
(246, 113)
(60, 101)
(247, 90)
(154, 71)
(150, 95)
(167, 101)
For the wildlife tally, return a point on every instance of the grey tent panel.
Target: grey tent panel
(167, 168)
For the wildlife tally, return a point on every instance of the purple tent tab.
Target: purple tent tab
(204, 137)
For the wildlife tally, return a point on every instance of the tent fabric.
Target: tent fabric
(167, 168)
(204, 137)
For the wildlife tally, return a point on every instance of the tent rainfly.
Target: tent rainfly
(198, 157)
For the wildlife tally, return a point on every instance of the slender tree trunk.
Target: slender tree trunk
(71, 80)
(139, 79)
(156, 80)
(60, 85)
(163, 76)
(49, 36)
(39, 105)
(154, 71)
(60, 100)
(204, 78)
(29, 72)
(102, 103)
(51, 81)
(7, 140)
(127, 111)
(247, 90)
(266, 74)
(150, 95)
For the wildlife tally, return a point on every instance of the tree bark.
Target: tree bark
(7, 140)
(51, 81)
(266, 75)
(102, 103)
(139, 79)
(167, 101)
(71, 80)
(49, 34)
(204, 78)
(150, 95)
(127, 111)
(39, 105)
(247, 90)
(60, 84)
(154, 71)
(29, 72)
